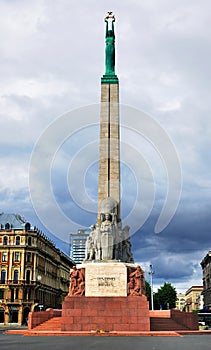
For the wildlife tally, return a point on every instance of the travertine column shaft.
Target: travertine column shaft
(109, 162)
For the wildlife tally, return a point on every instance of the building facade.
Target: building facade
(206, 268)
(180, 302)
(78, 245)
(34, 274)
(194, 298)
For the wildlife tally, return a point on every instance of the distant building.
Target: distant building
(206, 268)
(78, 245)
(193, 298)
(180, 302)
(34, 274)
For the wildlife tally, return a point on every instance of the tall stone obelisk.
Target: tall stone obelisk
(108, 279)
(108, 240)
(109, 162)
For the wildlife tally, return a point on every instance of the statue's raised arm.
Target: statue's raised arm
(110, 18)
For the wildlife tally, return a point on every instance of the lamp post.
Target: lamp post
(39, 278)
(151, 273)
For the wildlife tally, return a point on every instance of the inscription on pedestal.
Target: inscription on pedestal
(109, 279)
(106, 281)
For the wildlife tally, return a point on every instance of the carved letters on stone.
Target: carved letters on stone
(106, 281)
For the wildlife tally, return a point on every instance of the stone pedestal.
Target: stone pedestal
(105, 279)
(105, 303)
(105, 313)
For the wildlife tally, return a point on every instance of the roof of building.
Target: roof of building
(194, 288)
(80, 233)
(15, 220)
(206, 259)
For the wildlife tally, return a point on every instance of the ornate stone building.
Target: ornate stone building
(180, 302)
(206, 267)
(34, 274)
(193, 298)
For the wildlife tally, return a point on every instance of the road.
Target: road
(189, 342)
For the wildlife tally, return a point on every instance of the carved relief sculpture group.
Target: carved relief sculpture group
(135, 285)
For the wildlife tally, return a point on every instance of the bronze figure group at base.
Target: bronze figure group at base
(77, 281)
(136, 283)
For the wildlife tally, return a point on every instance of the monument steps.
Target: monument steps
(165, 324)
(54, 324)
(156, 324)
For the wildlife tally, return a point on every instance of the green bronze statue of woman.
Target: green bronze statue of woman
(110, 45)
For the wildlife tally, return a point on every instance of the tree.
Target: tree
(148, 292)
(165, 297)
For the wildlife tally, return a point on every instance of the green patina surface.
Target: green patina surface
(109, 76)
(109, 79)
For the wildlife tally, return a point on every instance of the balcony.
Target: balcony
(18, 301)
(13, 301)
(21, 282)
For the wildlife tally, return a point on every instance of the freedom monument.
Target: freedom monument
(107, 291)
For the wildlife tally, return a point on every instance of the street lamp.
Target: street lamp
(151, 273)
(39, 278)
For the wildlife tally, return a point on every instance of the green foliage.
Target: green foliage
(165, 297)
(148, 292)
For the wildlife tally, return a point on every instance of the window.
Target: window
(1, 293)
(29, 294)
(7, 226)
(3, 277)
(17, 256)
(27, 226)
(17, 240)
(12, 294)
(5, 240)
(4, 256)
(28, 257)
(28, 276)
(29, 241)
(16, 276)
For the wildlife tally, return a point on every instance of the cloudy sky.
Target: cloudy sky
(51, 62)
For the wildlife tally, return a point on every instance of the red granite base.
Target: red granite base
(105, 313)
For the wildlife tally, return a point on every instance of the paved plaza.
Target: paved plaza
(188, 342)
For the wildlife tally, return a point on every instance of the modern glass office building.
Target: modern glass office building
(78, 245)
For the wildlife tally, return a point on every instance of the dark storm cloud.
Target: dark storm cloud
(52, 58)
